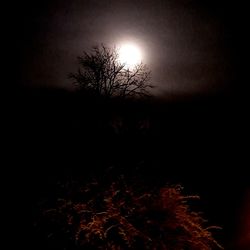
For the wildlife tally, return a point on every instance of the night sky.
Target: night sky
(190, 46)
(196, 48)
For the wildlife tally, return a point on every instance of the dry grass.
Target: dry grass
(121, 216)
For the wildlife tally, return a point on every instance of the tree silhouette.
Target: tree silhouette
(101, 73)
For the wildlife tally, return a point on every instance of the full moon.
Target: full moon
(130, 55)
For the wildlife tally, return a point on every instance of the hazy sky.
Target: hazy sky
(188, 45)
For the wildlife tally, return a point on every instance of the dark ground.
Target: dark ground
(201, 143)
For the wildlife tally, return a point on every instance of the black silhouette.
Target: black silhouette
(101, 73)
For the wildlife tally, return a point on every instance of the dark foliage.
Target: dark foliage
(122, 215)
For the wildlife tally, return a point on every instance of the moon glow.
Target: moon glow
(130, 55)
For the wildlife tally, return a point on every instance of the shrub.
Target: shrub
(123, 216)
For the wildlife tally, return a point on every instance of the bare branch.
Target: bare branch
(101, 72)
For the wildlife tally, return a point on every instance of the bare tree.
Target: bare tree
(102, 73)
